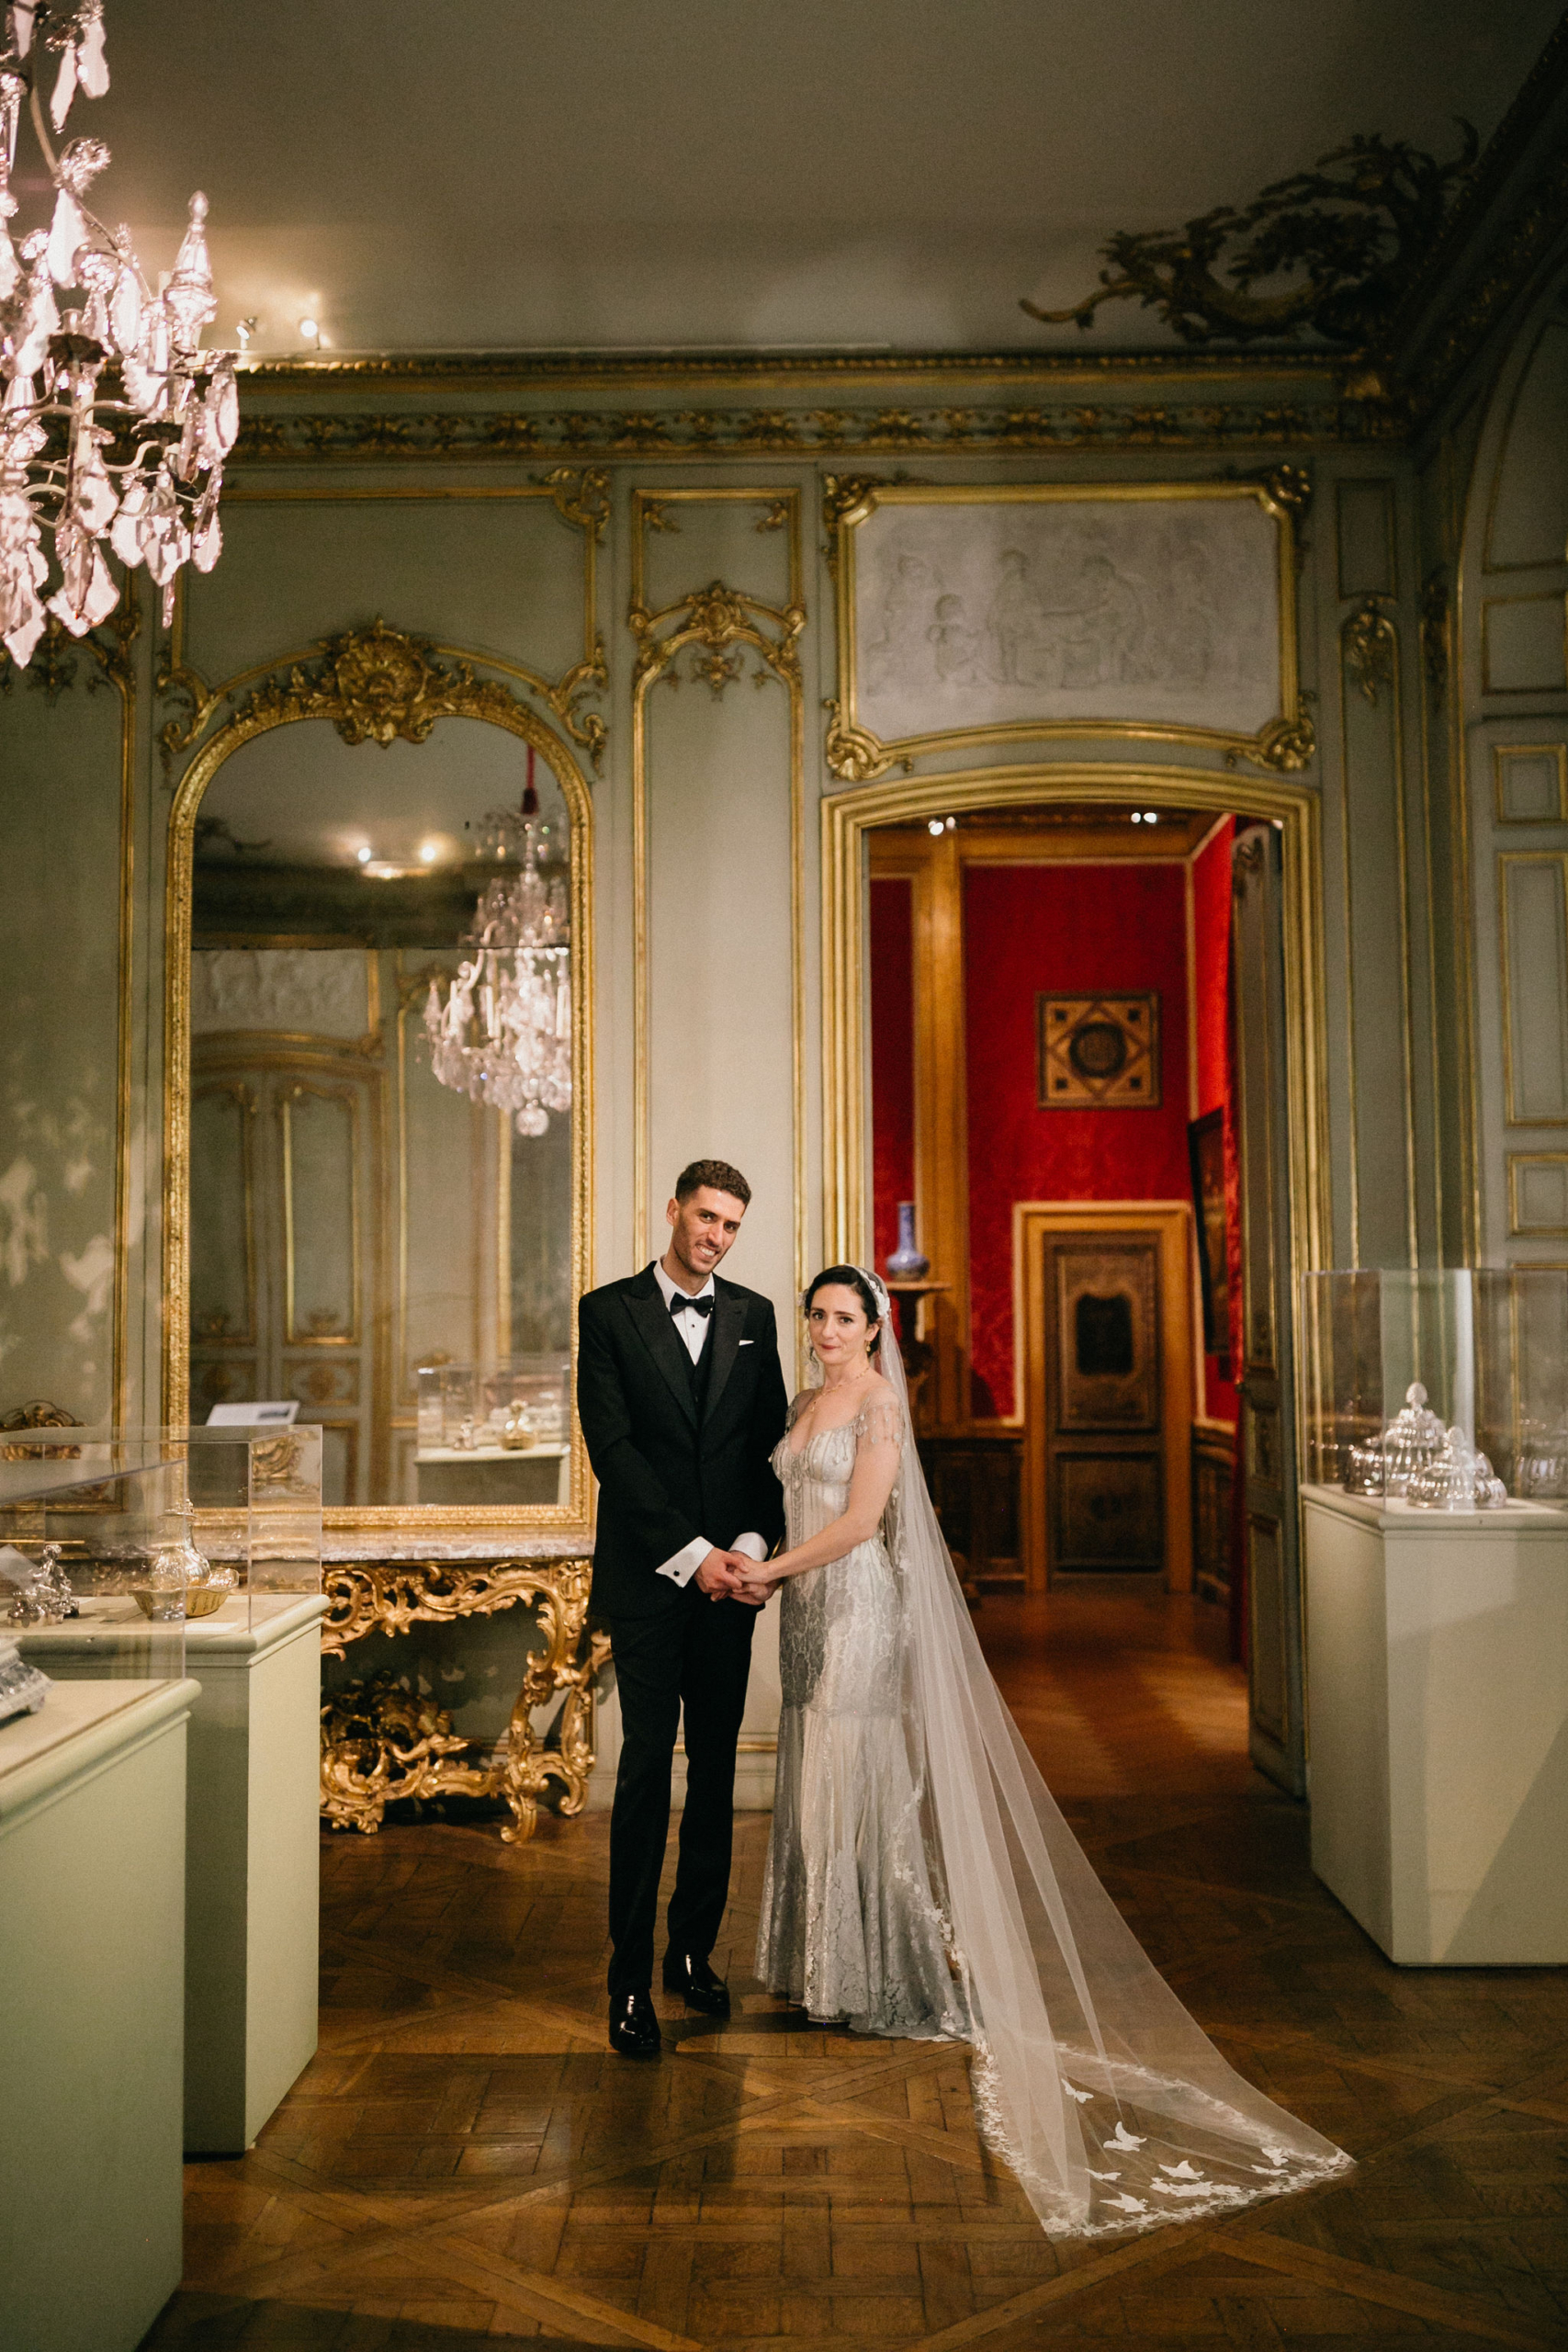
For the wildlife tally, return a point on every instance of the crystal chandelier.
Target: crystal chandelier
(503, 1035)
(114, 422)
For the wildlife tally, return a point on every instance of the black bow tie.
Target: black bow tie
(681, 1304)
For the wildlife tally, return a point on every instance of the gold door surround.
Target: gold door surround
(848, 817)
(373, 685)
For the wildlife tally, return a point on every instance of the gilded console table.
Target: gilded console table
(381, 1741)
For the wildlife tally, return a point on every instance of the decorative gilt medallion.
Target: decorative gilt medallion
(376, 685)
(1098, 1053)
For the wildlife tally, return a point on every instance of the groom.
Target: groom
(682, 1402)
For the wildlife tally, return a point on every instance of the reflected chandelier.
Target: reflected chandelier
(503, 1035)
(114, 422)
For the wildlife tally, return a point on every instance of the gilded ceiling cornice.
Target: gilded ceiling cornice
(758, 371)
(331, 435)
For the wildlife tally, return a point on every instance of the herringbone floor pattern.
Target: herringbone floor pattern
(465, 2161)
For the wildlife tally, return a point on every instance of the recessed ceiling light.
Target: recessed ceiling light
(309, 329)
(363, 854)
(936, 826)
(428, 853)
(1151, 816)
(1137, 816)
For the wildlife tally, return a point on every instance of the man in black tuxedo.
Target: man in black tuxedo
(682, 1401)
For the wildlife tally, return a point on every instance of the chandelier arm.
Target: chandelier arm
(35, 107)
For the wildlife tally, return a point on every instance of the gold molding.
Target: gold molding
(1506, 861)
(716, 619)
(1518, 1230)
(1503, 752)
(848, 817)
(580, 495)
(1285, 745)
(318, 697)
(214, 1083)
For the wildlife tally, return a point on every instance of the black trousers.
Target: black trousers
(697, 1656)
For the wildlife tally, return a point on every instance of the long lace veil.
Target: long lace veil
(1111, 2104)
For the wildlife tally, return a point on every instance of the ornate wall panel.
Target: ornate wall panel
(1532, 892)
(717, 823)
(1375, 872)
(1530, 783)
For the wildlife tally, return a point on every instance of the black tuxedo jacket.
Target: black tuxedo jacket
(670, 1468)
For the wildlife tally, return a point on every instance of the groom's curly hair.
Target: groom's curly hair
(718, 1175)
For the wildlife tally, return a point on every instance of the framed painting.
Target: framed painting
(1206, 1149)
(1006, 612)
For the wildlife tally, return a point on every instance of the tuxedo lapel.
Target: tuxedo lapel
(728, 1322)
(646, 1307)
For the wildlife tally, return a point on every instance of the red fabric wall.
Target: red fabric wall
(1068, 930)
(892, 1058)
(1210, 968)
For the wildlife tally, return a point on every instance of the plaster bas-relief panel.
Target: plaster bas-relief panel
(1522, 645)
(1533, 902)
(985, 611)
(311, 991)
(60, 1116)
(494, 566)
(1528, 523)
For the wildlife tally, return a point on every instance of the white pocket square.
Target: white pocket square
(747, 1343)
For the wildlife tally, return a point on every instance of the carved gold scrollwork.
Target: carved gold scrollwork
(579, 498)
(1436, 631)
(851, 754)
(1368, 647)
(1286, 745)
(380, 1742)
(375, 684)
(716, 617)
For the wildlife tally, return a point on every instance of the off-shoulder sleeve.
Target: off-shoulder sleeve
(880, 1422)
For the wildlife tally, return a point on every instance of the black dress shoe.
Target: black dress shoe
(633, 2027)
(696, 1984)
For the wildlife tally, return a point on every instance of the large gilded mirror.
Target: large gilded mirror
(377, 1128)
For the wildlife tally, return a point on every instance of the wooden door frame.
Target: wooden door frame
(1034, 1222)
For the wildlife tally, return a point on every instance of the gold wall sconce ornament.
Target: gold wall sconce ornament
(116, 422)
(1351, 244)
(1098, 1053)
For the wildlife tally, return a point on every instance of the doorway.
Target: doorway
(1098, 1477)
(1106, 1336)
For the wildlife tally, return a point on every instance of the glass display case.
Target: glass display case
(95, 1537)
(496, 1433)
(1443, 1390)
(257, 1498)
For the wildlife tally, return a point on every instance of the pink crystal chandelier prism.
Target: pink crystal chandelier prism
(114, 422)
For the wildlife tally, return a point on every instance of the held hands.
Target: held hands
(727, 1576)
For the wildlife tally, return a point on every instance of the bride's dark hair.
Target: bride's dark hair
(852, 1279)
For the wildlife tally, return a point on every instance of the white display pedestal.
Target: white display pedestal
(92, 1966)
(1437, 1724)
(253, 1850)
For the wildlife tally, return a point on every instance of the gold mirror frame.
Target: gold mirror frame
(374, 685)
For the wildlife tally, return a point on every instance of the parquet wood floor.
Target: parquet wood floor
(465, 2161)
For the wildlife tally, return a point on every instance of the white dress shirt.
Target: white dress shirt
(694, 1331)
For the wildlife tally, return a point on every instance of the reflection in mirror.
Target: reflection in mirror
(382, 1118)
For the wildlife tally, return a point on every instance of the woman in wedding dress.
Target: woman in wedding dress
(920, 1880)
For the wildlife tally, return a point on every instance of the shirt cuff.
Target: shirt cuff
(683, 1565)
(751, 1544)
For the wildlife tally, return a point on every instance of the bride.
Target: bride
(920, 1880)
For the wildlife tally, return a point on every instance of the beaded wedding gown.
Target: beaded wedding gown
(921, 1881)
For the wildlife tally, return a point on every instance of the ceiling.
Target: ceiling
(513, 173)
